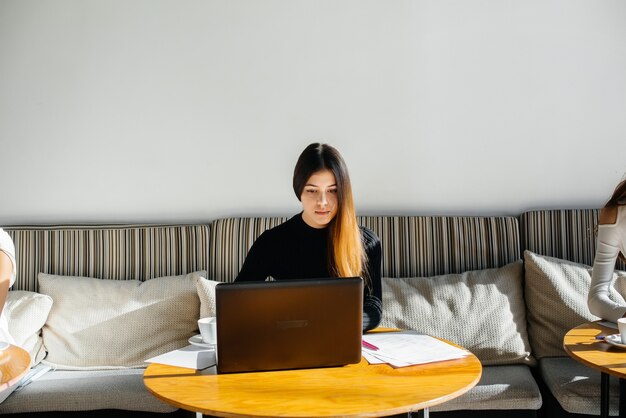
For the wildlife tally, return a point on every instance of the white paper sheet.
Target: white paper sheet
(192, 357)
(407, 348)
(33, 374)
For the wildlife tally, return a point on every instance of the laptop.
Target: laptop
(288, 324)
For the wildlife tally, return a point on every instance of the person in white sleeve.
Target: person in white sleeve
(611, 244)
(7, 278)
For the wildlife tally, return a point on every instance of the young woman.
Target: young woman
(611, 244)
(7, 277)
(324, 240)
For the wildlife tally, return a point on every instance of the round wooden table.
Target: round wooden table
(356, 390)
(581, 344)
(14, 364)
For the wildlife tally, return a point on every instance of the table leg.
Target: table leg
(422, 413)
(604, 395)
(622, 397)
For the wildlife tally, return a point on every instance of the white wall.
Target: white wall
(185, 111)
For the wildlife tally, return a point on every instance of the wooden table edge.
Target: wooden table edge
(602, 329)
(475, 362)
(16, 379)
(386, 412)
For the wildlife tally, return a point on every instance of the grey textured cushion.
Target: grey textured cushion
(26, 313)
(500, 387)
(577, 387)
(85, 391)
(481, 310)
(554, 285)
(206, 293)
(100, 324)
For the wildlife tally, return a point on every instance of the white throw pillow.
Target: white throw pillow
(27, 313)
(103, 324)
(481, 310)
(206, 293)
(556, 296)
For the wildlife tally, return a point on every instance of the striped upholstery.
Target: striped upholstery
(412, 245)
(231, 238)
(122, 252)
(568, 234)
(424, 246)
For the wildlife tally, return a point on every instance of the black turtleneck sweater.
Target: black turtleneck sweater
(294, 250)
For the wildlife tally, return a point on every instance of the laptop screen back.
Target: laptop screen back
(288, 324)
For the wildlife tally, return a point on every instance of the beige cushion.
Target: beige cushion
(481, 310)
(509, 387)
(206, 293)
(90, 391)
(556, 296)
(99, 324)
(27, 313)
(577, 387)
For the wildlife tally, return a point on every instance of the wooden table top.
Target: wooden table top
(356, 390)
(14, 364)
(581, 344)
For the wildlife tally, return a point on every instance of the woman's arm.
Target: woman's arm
(255, 267)
(7, 266)
(6, 271)
(607, 250)
(372, 299)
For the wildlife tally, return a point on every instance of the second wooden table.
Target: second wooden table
(581, 344)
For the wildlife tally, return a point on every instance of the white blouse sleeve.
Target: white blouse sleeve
(607, 249)
(7, 247)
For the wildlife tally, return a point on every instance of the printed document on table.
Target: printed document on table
(191, 357)
(407, 348)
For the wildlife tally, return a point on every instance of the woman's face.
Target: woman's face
(319, 199)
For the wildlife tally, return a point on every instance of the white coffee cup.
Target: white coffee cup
(208, 329)
(621, 325)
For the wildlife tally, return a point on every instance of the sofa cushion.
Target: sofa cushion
(85, 391)
(463, 308)
(500, 387)
(554, 285)
(577, 387)
(97, 324)
(26, 314)
(206, 293)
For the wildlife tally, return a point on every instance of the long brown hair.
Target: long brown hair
(347, 257)
(618, 199)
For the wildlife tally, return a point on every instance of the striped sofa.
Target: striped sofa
(413, 246)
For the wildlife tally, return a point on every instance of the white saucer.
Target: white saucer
(616, 340)
(197, 340)
(4, 345)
